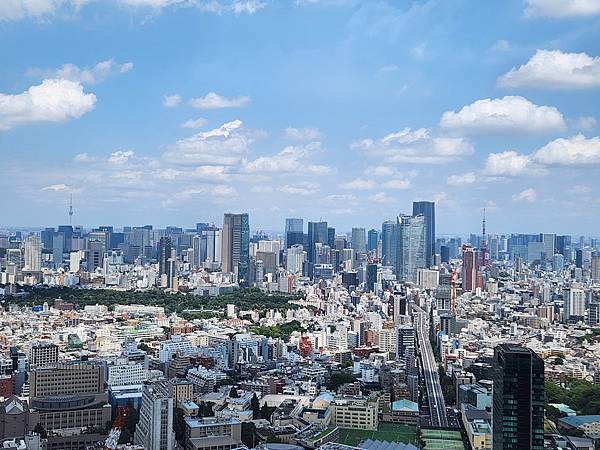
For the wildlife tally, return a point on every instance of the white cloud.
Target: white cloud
(292, 158)
(509, 163)
(396, 184)
(56, 187)
(510, 114)
(120, 156)
(462, 179)
(219, 190)
(261, 189)
(528, 195)
(300, 189)
(558, 9)
(555, 70)
(83, 157)
(580, 189)
(213, 100)
(236, 7)
(416, 146)
(419, 51)
(585, 123)
(87, 75)
(226, 145)
(38, 9)
(359, 184)
(171, 101)
(194, 123)
(381, 197)
(501, 45)
(302, 134)
(576, 150)
(51, 101)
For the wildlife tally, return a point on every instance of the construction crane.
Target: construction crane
(115, 433)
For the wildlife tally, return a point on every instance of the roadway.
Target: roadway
(435, 397)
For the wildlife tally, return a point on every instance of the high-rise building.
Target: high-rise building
(33, 253)
(410, 247)
(469, 269)
(518, 399)
(165, 250)
(154, 430)
(359, 240)
(388, 243)
(595, 267)
(317, 233)
(427, 209)
(372, 240)
(294, 231)
(235, 242)
(574, 304)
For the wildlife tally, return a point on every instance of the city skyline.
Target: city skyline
(364, 114)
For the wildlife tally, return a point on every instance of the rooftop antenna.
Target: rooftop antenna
(71, 210)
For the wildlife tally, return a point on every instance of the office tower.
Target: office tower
(579, 259)
(295, 258)
(331, 237)
(33, 253)
(108, 232)
(410, 247)
(58, 246)
(42, 354)
(201, 226)
(563, 244)
(549, 242)
(165, 250)
(154, 430)
(594, 315)
(596, 268)
(47, 234)
(558, 262)
(469, 269)
(317, 233)
(235, 242)
(445, 254)
(371, 276)
(67, 231)
(518, 399)
(427, 209)
(574, 304)
(294, 228)
(388, 243)
(372, 240)
(406, 340)
(359, 240)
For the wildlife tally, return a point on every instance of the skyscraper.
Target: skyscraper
(165, 249)
(427, 209)
(294, 232)
(235, 241)
(469, 269)
(372, 239)
(388, 243)
(410, 247)
(33, 253)
(154, 430)
(596, 267)
(359, 240)
(317, 232)
(518, 402)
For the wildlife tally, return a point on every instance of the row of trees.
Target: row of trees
(245, 299)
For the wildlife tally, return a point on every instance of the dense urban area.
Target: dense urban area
(218, 338)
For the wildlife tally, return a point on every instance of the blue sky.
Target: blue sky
(175, 111)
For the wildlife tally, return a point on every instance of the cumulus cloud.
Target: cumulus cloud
(416, 146)
(358, 184)
(576, 150)
(292, 158)
(86, 75)
(558, 9)
(396, 184)
(528, 195)
(555, 70)
(510, 114)
(226, 145)
(585, 123)
(194, 123)
(381, 197)
(461, 179)
(213, 100)
(509, 163)
(51, 101)
(120, 156)
(302, 134)
(171, 101)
